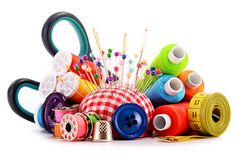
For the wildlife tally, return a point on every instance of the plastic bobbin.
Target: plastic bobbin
(93, 116)
(59, 113)
(52, 102)
(57, 130)
(74, 127)
(47, 85)
(130, 121)
(61, 61)
(89, 124)
(38, 116)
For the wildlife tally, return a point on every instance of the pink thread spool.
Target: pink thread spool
(74, 127)
(59, 113)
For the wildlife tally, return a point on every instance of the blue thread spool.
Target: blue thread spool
(167, 89)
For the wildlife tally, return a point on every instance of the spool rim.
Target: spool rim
(176, 54)
(162, 122)
(173, 86)
(61, 61)
(194, 80)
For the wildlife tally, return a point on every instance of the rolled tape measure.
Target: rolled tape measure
(209, 114)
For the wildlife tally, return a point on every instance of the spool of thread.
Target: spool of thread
(94, 117)
(57, 130)
(172, 60)
(73, 127)
(171, 120)
(59, 113)
(167, 89)
(209, 114)
(65, 61)
(72, 87)
(193, 83)
(47, 85)
(38, 116)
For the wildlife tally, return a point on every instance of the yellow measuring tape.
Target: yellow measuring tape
(209, 115)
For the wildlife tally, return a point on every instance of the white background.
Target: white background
(205, 29)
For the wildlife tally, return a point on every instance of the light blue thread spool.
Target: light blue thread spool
(167, 89)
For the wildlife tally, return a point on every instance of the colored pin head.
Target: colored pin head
(99, 64)
(148, 72)
(130, 61)
(84, 67)
(96, 76)
(131, 70)
(116, 68)
(139, 65)
(109, 50)
(152, 68)
(129, 75)
(109, 55)
(124, 56)
(153, 73)
(85, 57)
(117, 53)
(110, 78)
(89, 69)
(121, 62)
(136, 55)
(76, 67)
(92, 55)
(144, 62)
(158, 71)
(81, 60)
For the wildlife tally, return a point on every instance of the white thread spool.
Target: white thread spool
(47, 85)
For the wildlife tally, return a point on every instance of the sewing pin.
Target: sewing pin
(141, 54)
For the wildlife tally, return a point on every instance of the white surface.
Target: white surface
(203, 28)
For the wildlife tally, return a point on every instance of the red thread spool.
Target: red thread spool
(65, 61)
(171, 120)
(193, 84)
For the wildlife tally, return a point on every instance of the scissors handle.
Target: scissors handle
(76, 24)
(13, 97)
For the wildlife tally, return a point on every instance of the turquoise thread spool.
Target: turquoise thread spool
(166, 90)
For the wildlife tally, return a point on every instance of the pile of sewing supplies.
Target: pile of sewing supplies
(114, 96)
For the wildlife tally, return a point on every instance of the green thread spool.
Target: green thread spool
(94, 117)
(172, 60)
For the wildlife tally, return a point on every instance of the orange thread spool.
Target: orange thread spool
(57, 130)
(171, 120)
(193, 84)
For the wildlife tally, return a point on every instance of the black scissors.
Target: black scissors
(17, 85)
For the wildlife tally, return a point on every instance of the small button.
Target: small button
(130, 121)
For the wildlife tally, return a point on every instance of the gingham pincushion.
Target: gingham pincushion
(105, 101)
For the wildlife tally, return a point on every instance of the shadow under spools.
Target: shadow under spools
(172, 60)
(171, 120)
(167, 89)
(193, 83)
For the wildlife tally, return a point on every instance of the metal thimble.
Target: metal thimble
(102, 131)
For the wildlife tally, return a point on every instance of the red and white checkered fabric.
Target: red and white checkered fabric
(105, 101)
